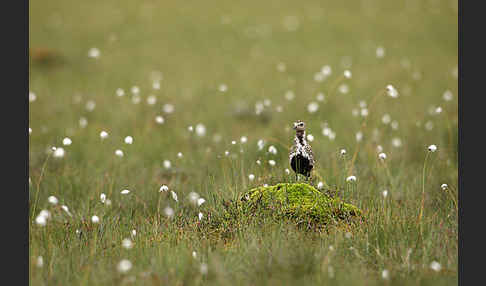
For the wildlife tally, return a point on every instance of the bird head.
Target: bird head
(299, 127)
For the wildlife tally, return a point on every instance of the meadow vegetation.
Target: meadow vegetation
(164, 114)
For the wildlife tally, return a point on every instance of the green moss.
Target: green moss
(301, 202)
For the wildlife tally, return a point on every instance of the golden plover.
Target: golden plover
(301, 156)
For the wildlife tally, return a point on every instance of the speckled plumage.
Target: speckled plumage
(301, 157)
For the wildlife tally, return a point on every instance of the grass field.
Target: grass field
(240, 73)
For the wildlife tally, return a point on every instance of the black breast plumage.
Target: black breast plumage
(301, 157)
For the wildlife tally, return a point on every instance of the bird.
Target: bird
(300, 156)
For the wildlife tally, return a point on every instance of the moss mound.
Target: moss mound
(303, 203)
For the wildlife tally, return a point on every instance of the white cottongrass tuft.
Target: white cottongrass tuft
(32, 96)
(281, 67)
(135, 90)
(320, 185)
(194, 254)
(39, 262)
(66, 209)
(364, 112)
(429, 125)
(447, 96)
(326, 70)
(151, 100)
(174, 196)
(104, 134)
(287, 171)
(167, 164)
(272, 149)
(128, 140)
(119, 92)
(169, 212)
(391, 91)
(271, 162)
(90, 105)
(444, 187)
(119, 153)
(343, 88)
(94, 53)
(312, 107)
(200, 215)
(351, 179)
(251, 177)
(125, 192)
(289, 95)
(83, 122)
(200, 130)
(193, 197)
(380, 52)
(45, 213)
(223, 87)
(386, 118)
(385, 274)
(127, 243)
(359, 136)
(435, 266)
(261, 144)
(259, 107)
(52, 200)
(319, 77)
(67, 141)
(379, 148)
(343, 152)
(179, 155)
(59, 152)
(243, 139)
(432, 148)
(382, 156)
(168, 108)
(41, 220)
(385, 193)
(397, 142)
(95, 219)
(326, 131)
(258, 162)
(347, 74)
(133, 233)
(163, 188)
(124, 266)
(103, 198)
(200, 201)
(204, 268)
(310, 137)
(159, 119)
